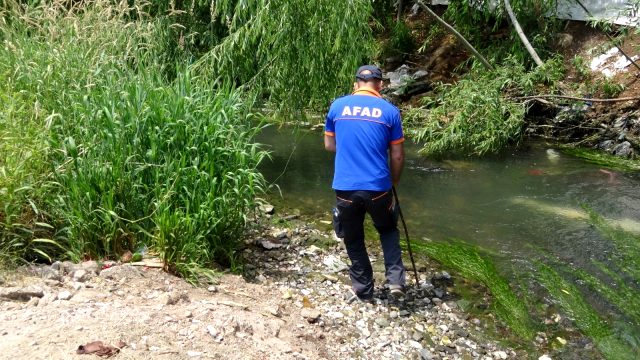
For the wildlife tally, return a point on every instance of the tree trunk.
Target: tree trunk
(521, 34)
(456, 34)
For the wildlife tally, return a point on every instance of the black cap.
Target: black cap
(370, 72)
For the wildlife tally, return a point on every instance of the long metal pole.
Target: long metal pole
(406, 233)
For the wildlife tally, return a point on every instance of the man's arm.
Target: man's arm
(330, 143)
(397, 161)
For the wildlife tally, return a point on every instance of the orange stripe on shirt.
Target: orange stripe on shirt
(361, 119)
(394, 142)
(330, 133)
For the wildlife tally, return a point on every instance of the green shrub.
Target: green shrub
(474, 116)
(400, 42)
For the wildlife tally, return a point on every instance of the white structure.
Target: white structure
(622, 12)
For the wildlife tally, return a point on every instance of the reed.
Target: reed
(102, 152)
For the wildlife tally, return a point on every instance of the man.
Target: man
(364, 129)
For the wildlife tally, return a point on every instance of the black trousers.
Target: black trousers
(351, 208)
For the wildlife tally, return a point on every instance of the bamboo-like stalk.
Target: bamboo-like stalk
(521, 34)
(459, 36)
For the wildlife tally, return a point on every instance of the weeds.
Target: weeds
(111, 154)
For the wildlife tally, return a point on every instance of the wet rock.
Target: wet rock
(606, 145)
(442, 280)
(21, 294)
(623, 150)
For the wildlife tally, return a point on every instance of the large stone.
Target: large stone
(623, 150)
(21, 294)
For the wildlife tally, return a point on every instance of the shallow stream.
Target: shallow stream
(521, 206)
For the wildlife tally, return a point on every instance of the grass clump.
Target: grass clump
(466, 260)
(112, 154)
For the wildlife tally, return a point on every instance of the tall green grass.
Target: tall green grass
(103, 153)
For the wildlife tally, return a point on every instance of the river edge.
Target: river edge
(290, 304)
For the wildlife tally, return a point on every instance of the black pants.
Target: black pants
(381, 206)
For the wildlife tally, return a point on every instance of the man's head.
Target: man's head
(368, 76)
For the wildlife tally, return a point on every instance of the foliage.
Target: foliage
(467, 260)
(293, 53)
(480, 21)
(611, 89)
(472, 116)
(580, 65)
(400, 42)
(121, 156)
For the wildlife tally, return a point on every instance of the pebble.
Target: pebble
(545, 357)
(500, 355)
(64, 295)
(191, 353)
(381, 322)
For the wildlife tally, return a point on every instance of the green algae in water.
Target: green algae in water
(466, 260)
(585, 317)
(627, 244)
(601, 158)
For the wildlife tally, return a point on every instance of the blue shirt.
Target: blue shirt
(364, 125)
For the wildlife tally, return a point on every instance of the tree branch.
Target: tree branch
(456, 34)
(521, 34)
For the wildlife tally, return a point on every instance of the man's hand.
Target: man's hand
(397, 161)
(330, 143)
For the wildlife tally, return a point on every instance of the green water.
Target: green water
(524, 207)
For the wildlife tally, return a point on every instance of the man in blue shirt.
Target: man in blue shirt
(364, 130)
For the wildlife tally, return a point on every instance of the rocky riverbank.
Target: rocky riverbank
(293, 303)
